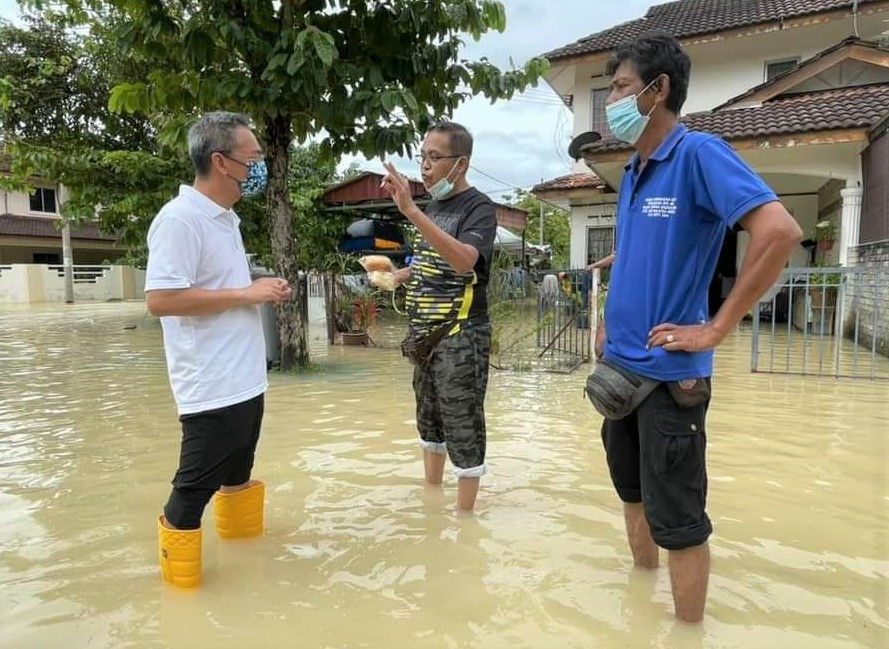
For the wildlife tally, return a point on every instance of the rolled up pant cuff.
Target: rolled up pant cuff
(434, 447)
(474, 472)
(683, 538)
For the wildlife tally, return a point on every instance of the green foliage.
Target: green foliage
(54, 84)
(556, 225)
(370, 76)
(316, 233)
(825, 230)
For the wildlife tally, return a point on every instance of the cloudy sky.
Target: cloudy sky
(519, 142)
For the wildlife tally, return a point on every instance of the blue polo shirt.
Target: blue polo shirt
(671, 222)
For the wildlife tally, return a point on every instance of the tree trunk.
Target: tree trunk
(292, 321)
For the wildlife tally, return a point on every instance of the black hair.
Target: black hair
(655, 54)
(459, 138)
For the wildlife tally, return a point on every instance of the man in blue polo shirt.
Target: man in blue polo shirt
(679, 194)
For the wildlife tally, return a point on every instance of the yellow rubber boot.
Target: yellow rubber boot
(180, 555)
(240, 514)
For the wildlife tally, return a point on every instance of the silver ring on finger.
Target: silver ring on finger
(670, 338)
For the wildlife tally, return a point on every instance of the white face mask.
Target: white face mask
(443, 188)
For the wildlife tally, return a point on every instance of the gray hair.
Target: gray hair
(213, 132)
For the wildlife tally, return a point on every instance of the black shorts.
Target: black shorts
(218, 449)
(657, 457)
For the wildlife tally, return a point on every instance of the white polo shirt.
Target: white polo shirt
(217, 360)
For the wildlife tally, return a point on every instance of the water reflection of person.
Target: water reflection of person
(680, 192)
(446, 302)
(198, 281)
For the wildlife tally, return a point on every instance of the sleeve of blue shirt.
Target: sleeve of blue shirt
(725, 186)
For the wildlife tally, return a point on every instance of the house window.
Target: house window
(51, 258)
(600, 243)
(44, 200)
(598, 122)
(777, 68)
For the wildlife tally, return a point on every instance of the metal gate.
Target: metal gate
(567, 317)
(824, 322)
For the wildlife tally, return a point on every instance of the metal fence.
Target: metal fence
(824, 322)
(567, 316)
(542, 320)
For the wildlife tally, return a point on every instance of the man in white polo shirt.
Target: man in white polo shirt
(198, 282)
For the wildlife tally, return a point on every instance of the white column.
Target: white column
(851, 221)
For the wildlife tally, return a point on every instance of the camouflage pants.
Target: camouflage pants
(450, 390)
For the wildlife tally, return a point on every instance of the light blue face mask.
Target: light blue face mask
(625, 121)
(443, 188)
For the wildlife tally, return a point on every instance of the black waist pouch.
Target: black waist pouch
(418, 349)
(616, 392)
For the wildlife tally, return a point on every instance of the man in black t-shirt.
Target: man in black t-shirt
(446, 300)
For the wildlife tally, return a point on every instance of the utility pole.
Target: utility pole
(541, 222)
(68, 261)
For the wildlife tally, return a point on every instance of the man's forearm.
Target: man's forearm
(461, 256)
(761, 267)
(195, 301)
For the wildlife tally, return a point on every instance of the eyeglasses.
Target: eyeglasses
(434, 159)
(227, 156)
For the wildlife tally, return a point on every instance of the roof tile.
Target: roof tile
(827, 110)
(687, 18)
(28, 226)
(571, 181)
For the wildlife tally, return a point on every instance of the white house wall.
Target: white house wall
(726, 68)
(585, 217)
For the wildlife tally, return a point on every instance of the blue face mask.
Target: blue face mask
(443, 188)
(256, 180)
(625, 121)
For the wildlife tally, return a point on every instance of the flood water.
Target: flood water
(358, 553)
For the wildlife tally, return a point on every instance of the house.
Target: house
(30, 232)
(31, 251)
(799, 88)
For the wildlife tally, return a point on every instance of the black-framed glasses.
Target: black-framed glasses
(227, 156)
(422, 158)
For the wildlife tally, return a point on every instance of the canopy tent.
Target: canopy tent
(508, 242)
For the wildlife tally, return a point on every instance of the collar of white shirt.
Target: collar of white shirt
(204, 203)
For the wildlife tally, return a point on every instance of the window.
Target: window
(44, 200)
(598, 122)
(600, 243)
(777, 68)
(51, 258)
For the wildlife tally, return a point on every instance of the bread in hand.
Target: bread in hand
(379, 263)
(381, 279)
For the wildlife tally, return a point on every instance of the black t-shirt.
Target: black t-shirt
(435, 292)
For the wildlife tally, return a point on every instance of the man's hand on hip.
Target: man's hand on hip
(688, 338)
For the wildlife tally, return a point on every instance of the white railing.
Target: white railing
(30, 283)
(82, 274)
(315, 285)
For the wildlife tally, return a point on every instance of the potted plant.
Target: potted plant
(354, 313)
(825, 234)
(823, 287)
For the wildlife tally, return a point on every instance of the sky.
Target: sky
(520, 142)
